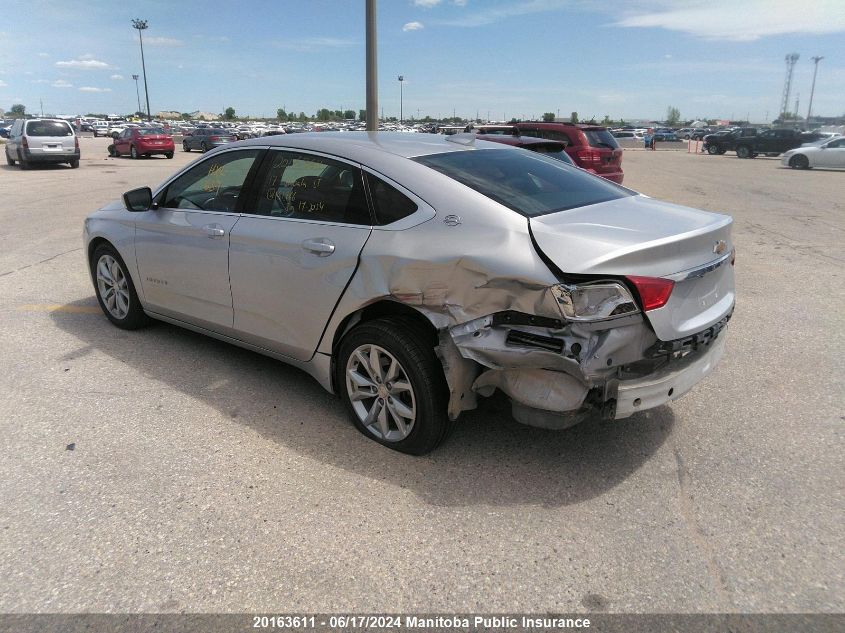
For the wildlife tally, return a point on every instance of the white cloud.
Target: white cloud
(311, 44)
(116, 77)
(163, 41)
(744, 21)
(93, 89)
(426, 4)
(459, 3)
(40, 81)
(3, 84)
(61, 83)
(497, 14)
(412, 26)
(86, 62)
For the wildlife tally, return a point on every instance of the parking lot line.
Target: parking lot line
(49, 307)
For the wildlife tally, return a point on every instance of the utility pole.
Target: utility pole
(816, 61)
(401, 113)
(791, 60)
(137, 94)
(141, 25)
(372, 68)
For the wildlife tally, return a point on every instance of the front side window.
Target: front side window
(309, 187)
(525, 182)
(213, 185)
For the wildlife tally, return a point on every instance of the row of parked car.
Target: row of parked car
(801, 150)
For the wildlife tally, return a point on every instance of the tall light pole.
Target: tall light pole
(372, 68)
(401, 81)
(141, 25)
(137, 94)
(813, 89)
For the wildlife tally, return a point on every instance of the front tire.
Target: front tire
(185, 147)
(392, 385)
(712, 150)
(115, 290)
(204, 147)
(168, 155)
(743, 151)
(799, 161)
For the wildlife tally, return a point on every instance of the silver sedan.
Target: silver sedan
(413, 274)
(829, 153)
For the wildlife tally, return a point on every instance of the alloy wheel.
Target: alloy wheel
(113, 286)
(381, 393)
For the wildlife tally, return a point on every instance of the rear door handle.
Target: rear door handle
(214, 231)
(322, 246)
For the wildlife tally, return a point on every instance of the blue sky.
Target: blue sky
(632, 58)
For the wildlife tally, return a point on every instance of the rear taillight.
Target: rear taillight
(213, 138)
(654, 291)
(25, 143)
(589, 156)
(76, 142)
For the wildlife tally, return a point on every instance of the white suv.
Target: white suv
(42, 141)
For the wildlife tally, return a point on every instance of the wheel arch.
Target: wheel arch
(377, 310)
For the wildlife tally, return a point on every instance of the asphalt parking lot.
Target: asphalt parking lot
(159, 470)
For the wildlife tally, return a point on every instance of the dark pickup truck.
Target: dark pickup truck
(772, 142)
(724, 141)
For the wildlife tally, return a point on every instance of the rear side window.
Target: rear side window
(310, 187)
(390, 204)
(525, 182)
(601, 138)
(48, 128)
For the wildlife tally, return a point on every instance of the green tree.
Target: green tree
(229, 114)
(548, 117)
(573, 118)
(362, 115)
(673, 115)
(324, 114)
(606, 121)
(186, 116)
(281, 114)
(18, 111)
(303, 117)
(349, 114)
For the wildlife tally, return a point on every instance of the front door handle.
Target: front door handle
(214, 231)
(322, 246)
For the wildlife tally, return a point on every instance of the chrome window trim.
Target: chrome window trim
(700, 271)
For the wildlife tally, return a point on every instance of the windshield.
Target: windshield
(601, 138)
(48, 128)
(525, 182)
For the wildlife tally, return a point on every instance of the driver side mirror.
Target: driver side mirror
(140, 199)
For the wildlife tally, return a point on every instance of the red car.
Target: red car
(142, 141)
(592, 147)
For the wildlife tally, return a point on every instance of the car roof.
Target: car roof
(359, 145)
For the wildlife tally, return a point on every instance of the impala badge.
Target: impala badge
(720, 247)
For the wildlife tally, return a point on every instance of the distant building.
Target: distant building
(204, 116)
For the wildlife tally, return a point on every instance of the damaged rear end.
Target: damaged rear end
(644, 292)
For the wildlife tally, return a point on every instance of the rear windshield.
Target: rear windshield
(601, 138)
(48, 128)
(146, 131)
(525, 182)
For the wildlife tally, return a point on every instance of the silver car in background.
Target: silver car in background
(413, 274)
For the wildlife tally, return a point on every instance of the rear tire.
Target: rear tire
(10, 160)
(168, 155)
(74, 163)
(185, 147)
(204, 147)
(133, 153)
(115, 290)
(23, 162)
(743, 151)
(414, 386)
